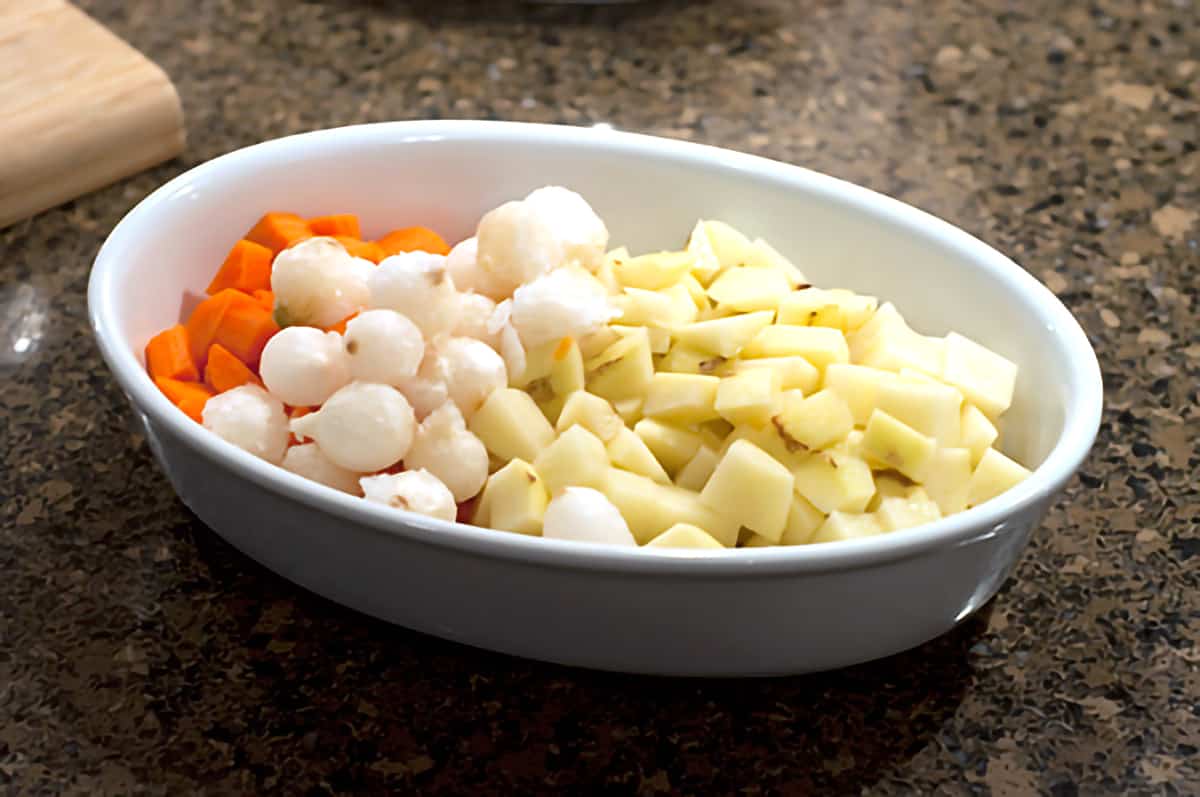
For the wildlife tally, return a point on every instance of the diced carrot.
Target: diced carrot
(247, 268)
(337, 225)
(411, 239)
(340, 327)
(225, 372)
(245, 329)
(278, 231)
(187, 396)
(266, 299)
(367, 250)
(169, 356)
(203, 323)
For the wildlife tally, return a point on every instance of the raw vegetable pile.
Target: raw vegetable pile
(527, 380)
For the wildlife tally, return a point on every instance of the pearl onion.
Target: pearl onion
(317, 283)
(516, 245)
(303, 366)
(383, 346)
(471, 370)
(512, 351)
(307, 460)
(363, 427)
(417, 285)
(582, 514)
(251, 419)
(427, 390)
(558, 304)
(413, 490)
(477, 311)
(580, 231)
(446, 448)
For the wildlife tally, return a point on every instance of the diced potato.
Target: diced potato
(597, 341)
(751, 488)
(731, 247)
(654, 271)
(889, 485)
(748, 289)
(695, 473)
(803, 521)
(948, 478)
(834, 481)
(538, 361)
(630, 409)
(816, 421)
(514, 499)
(673, 446)
(682, 398)
(576, 459)
(907, 511)
(856, 308)
(886, 341)
(651, 508)
(630, 452)
(659, 337)
(978, 433)
(640, 308)
(607, 274)
(696, 291)
(751, 397)
(714, 432)
(858, 386)
(623, 370)
(755, 541)
(766, 256)
(511, 426)
(683, 306)
(841, 526)
(705, 264)
(898, 445)
(566, 368)
(985, 378)
(685, 536)
(592, 413)
(821, 346)
(795, 373)
(813, 307)
(994, 474)
(724, 337)
(932, 409)
(682, 359)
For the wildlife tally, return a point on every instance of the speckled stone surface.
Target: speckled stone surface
(139, 654)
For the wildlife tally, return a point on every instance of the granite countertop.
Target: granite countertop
(140, 654)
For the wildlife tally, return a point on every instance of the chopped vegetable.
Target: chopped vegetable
(278, 231)
(336, 225)
(204, 320)
(413, 239)
(266, 299)
(224, 372)
(247, 268)
(187, 396)
(367, 250)
(169, 356)
(245, 328)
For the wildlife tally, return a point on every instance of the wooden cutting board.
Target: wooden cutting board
(79, 108)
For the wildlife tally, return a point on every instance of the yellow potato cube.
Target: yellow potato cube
(856, 309)
(751, 397)
(651, 508)
(673, 446)
(947, 479)
(654, 271)
(978, 433)
(907, 511)
(683, 306)
(576, 459)
(630, 452)
(889, 485)
(816, 421)
(835, 481)
(858, 386)
(696, 291)
(886, 341)
(803, 521)
(731, 247)
(566, 368)
(629, 409)
(751, 488)
(841, 526)
(766, 256)
(681, 359)
(994, 474)
(748, 289)
(641, 308)
(795, 373)
(753, 540)
(985, 378)
(685, 536)
(659, 337)
(932, 409)
(514, 499)
(623, 370)
(821, 346)
(724, 337)
(511, 426)
(592, 413)
(682, 398)
(705, 264)
(897, 445)
(597, 341)
(538, 361)
(810, 307)
(695, 473)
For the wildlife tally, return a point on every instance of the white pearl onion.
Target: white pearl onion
(471, 370)
(363, 427)
(317, 283)
(413, 490)
(427, 390)
(304, 366)
(446, 448)
(307, 460)
(516, 245)
(477, 311)
(383, 346)
(417, 285)
(580, 231)
(582, 514)
(563, 302)
(512, 351)
(251, 419)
